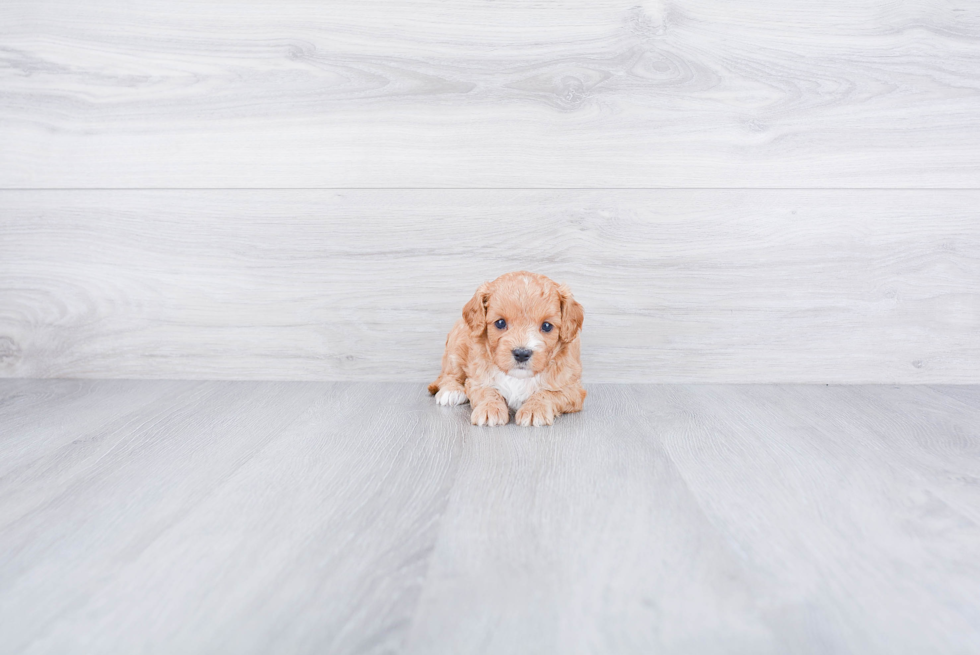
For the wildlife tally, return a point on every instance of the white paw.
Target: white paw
(450, 397)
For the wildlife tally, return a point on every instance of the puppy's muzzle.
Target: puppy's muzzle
(521, 355)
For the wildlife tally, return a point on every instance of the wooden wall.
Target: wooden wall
(739, 192)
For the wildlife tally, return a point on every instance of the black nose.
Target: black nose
(521, 355)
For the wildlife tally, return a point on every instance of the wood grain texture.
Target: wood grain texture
(683, 285)
(888, 497)
(253, 517)
(597, 93)
(361, 518)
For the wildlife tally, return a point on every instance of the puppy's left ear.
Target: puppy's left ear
(572, 315)
(475, 311)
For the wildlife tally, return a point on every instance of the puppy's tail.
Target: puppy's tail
(434, 387)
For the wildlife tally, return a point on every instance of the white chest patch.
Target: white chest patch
(515, 390)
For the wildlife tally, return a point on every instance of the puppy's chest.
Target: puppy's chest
(515, 390)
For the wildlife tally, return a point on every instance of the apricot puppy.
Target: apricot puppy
(517, 346)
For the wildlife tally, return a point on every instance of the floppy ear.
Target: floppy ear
(475, 311)
(572, 315)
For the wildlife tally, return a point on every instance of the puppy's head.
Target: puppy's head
(524, 318)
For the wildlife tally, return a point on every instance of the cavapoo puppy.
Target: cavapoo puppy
(517, 346)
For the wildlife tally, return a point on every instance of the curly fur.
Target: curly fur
(479, 364)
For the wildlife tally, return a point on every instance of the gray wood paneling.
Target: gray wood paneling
(250, 517)
(596, 93)
(678, 285)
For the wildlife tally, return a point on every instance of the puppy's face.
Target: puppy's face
(524, 318)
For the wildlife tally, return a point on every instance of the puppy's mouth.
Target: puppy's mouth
(520, 371)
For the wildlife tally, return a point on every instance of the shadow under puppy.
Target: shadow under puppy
(516, 345)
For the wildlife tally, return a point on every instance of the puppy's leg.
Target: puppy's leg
(450, 393)
(448, 387)
(544, 406)
(489, 407)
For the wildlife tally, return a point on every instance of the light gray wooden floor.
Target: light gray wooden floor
(187, 517)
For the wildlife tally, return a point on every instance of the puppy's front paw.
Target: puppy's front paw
(451, 397)
(490, 413)
(535, 412)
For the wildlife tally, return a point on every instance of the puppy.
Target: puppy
(517, 346)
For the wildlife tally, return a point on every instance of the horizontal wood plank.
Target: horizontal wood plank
(848, 93)
(684, 285)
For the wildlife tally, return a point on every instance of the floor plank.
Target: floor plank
(132, 552)
(596, 93)
(853, 286)
(824, 492)
(584, 539)
(359, 518)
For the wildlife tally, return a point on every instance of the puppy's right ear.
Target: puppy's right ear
(572, 315)
(475, 311)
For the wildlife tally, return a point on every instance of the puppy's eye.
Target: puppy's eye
(546, 327)
(500, 323)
